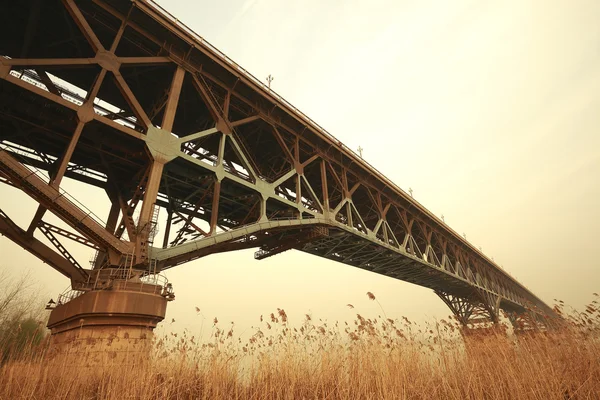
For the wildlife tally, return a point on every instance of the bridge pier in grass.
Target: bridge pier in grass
(111, 322)
(481, 311)
(121, 96)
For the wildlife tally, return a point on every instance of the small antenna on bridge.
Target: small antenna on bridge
(360, 150)
(269, 80)
(410, 191)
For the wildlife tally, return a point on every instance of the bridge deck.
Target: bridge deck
(123, 96)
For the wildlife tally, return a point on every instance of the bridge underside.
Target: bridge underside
(119, 95)
(472, 305)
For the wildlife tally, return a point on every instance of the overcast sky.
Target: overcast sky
(489, 111)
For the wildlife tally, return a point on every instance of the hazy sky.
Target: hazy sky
(489, 111)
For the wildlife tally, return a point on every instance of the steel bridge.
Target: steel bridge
(120, 95)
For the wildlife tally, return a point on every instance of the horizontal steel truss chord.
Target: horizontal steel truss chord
(389, 261)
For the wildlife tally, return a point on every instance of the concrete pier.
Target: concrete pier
(108, 326)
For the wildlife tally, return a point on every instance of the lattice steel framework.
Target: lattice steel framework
(118, 94)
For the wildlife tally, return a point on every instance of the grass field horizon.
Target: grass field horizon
(372, 357)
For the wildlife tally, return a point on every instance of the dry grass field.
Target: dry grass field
(374, 358)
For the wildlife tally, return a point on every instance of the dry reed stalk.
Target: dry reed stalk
(365, 359)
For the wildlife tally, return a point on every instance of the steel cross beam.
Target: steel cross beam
(19, 236)
(157, 105)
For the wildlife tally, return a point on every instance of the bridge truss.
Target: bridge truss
(120, 95)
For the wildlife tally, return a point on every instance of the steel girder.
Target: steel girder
(19, 236)
(124, 97)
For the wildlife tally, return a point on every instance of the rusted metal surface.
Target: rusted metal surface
(122, 96)
(119, 323)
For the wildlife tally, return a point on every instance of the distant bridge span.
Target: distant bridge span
(120, 95)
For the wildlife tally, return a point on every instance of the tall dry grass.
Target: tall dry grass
(21, 315)
(368, 358)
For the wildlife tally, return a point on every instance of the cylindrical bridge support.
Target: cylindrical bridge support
(107, 326)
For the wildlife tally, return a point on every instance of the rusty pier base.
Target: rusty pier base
(107, 326)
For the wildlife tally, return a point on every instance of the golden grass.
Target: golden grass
(365, 359)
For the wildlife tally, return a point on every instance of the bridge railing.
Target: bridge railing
(67, 295)
(157, 282)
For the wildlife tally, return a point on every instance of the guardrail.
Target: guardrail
(68, 295)
(157, 281)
